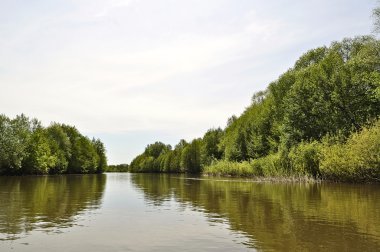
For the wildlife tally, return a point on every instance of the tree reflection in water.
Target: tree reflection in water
(280, 216)
(46, 203)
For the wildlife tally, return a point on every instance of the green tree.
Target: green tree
(210, 146)
(101, 152)
(152, 160)
(190, 157)
(335, 95)
(331, 92)
(84, 158)
(156, 149)
(26, 147)
(60, 146)
(39, 159)
(14, 139)
(135, 165)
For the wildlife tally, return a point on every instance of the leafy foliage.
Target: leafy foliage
(210, 146)
(117, 168)
(334, 95)
(331, 92)
(358, 159)
(28, 148)
(190, 157)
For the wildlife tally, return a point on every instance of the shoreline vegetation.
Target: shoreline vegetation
(28, 148)
(117, 168)
(355, 159)
(318, 120)
(261, 179)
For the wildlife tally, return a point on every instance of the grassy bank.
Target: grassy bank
(355, 159)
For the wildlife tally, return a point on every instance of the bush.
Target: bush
(230, 168)
(356, 160)
(304, 159)
(273, 165)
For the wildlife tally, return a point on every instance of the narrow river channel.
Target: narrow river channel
(152, 212)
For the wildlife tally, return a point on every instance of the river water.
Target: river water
(151, 212)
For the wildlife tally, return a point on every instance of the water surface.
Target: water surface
(151, 212)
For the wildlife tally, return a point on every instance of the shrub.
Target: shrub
(272, 165)
(356, 160)
(230, 168)
(304, 159)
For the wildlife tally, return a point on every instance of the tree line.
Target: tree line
(26, 147)
(117, 168)
(328, 102)
(185, 157)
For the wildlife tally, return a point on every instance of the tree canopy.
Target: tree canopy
(26, 147)
(329, 92)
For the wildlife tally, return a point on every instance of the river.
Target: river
(152, 212)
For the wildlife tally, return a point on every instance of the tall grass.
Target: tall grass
(228, 168)
(273, 165)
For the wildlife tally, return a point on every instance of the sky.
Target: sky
(132, 72)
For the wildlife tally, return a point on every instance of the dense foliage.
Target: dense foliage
(117, 168)
(185, 157)
(356, 158)
(26, 147)
(159, 157)
(330, 93)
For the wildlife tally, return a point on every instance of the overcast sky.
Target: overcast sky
(135, 71)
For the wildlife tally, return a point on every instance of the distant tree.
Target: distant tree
(156, 149)
(376, 16)
(181, 144)
(154, 159)
(39, 159)
(310, 58)
(210, 146)
(60, 146)
(231, 120)
(14, 139)
(167, 161)
(101, 152)
(258, 97)
(26, 147)
(84, 158)
(117, 168)
(190, 158)
(135, 165)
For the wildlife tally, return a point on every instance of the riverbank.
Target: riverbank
(279, 179)
(319, 119)
(356, 159)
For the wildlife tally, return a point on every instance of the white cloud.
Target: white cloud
(108, 6)
(175, 66)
